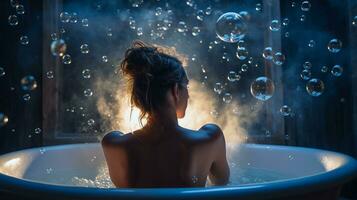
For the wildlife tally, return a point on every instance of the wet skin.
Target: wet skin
(170, 156)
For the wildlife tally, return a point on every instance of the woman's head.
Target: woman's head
(155, 76)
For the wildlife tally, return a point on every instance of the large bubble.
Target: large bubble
(231, 27)
(58, 47)
(262, 88)
(315, 87)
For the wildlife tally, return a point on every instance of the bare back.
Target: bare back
(183, 158)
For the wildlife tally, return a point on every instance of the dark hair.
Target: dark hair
(151, 72)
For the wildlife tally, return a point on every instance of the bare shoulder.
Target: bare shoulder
(116, 138)
(212, 130)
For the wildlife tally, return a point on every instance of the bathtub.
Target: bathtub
(40, 173)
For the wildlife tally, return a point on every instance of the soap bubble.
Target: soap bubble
(233, 76)
(139, 31)
(24, 40)
(200, 15)
(311, 43)
(109, 32)
(65, 17)
(28, 83)
(218, 87)
(14, 3)
(245, 15)
(324, 69)
(287, 34)
(278, 58)
(90, 122)
(262, 88)
(241, 44)
(285, 110)
(208, 10)
(242, 53)
(227, 97)
(302, 18)
(196, 31)
(66, 59)
(58, 47)
(158, 11)
(88, 92)
(334, 45)
(305, 74)
(275, 25)
(305, 6)
(13, 21)
(286, 21)
(38, 130)
(86, 73)
(2, 72)
(105, 59)
(244, 68)
(50, 74)
(20, 9)
(268, 53)
(354, 21)
(54, 36)
(85, 22)
(26, 97)
(231, 27)
(84, 48)
(315, 87)
(181, 27)
(136, 3)
(3, 119)
(258, 7)
(337, 70)
(307, 65)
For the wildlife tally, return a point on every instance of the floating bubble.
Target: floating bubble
(305, 6)
(208, 10)
(66, 59)
(84, 48)
(20, 9)
(307, 65)
(86, 73)
(218, 87)
(285, 110)
(24, 40)
(245, 15)
(354, 21)
(311, 43)
(227, 97)
(279, 58)
(268, 53)
(13, 21)
(286, 21)
(58, 47)
(65, 17)
(262, 88)
(302, 18)
(110, 33)
(26, 97)
(231, 27)
(14, 3)
(242, 53)
(244, 68)
(196, 31)
(158, 11)
(54, 36)
(267, 133)
(258, 7)
(315, 87)
(3, 119)
(90, 122)
(275, 25)
(324, 69)
(28, 83)
(181, 27)
(50, 74)
(2, 72)
(85, 22)
(139, 31)
(293, 4)
(334, 46)
(241, 44)
(233, 76)
(132, 23)
(105, 59)
(200, 15)
(88, 92)
(305, 74)
(38, 130)
(73, 18)
(287, 34)
(337, 70)
(136, 3)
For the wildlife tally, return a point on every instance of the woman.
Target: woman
(161, 153)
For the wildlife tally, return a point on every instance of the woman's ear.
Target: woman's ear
(175, 93)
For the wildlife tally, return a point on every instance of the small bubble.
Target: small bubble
(26, 97)
(305, 74)
(268, 53)
(200, 15)
(218, 87)
(291, 157)
(324, 69)
(3, 119)
(64, 17)
(50, 74)
(13, 21)
(315, 87)
(105, 59)
(258, 7)
(305, 6)
(20, 9)
(227, 97)
(84, 48)
(302, 18)
(334, 46)
(66, 59)
(307, 65)
(311, 43)
(38, 130)
(42, 150)
(88, 92)
(86, 74)
(196, 31)
(286, 21)
(244, 68)
(73, 18)
(2, 72)
(58, 47)
(85, 22)
(24, 40)
(285, 110)
(49, 170)
(91, 122)
(274, 25)
(242, 53)
(337, 70)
